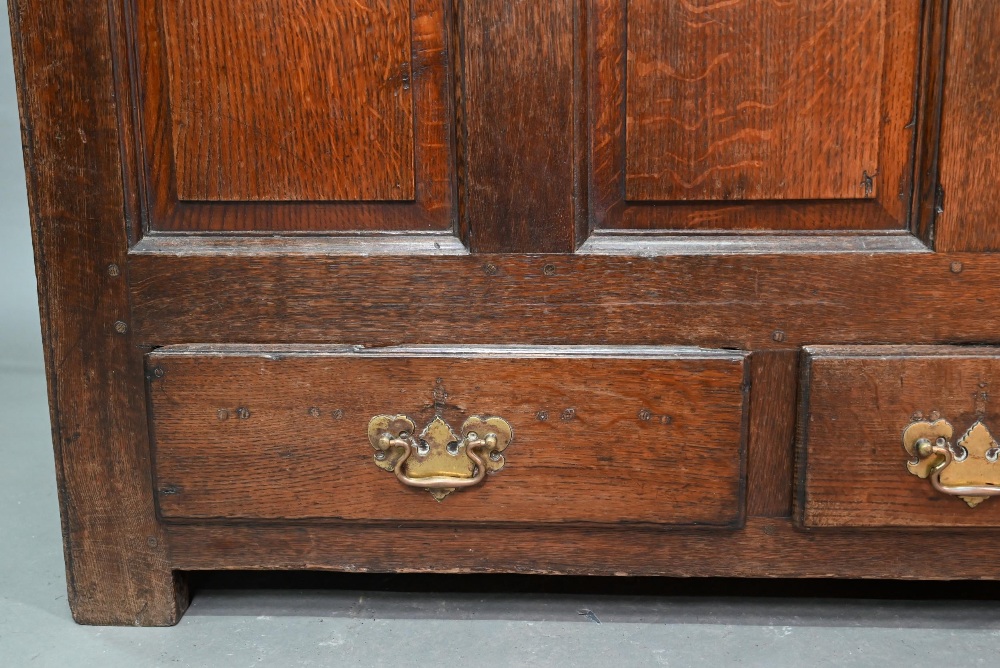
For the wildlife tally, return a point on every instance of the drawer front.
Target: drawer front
(624, 435)
(864, 413)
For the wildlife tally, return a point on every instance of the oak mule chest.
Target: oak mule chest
(632, 287)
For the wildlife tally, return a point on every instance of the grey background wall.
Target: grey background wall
(19, 333)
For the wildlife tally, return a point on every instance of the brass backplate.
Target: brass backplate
(976, 469)
(437, 454)
(970, 463)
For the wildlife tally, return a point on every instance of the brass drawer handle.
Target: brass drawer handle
(437, 459)
(967, 469)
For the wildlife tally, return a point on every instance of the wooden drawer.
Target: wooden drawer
(600, 435)
(859, 404)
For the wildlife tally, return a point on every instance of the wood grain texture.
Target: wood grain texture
(629, 436)
(543, 92)
(398, 245)
(520, 110)
(868, 125)
(774, 378)
(970, 131)
(307, 100)
(768, 548)
(930, 92)
(752, 100)
(706, 300)
(652, 243)
(753, 216)
(856, 403)
(293, 117)
(116, 565)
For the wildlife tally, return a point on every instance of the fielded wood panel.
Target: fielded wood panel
(753, 115)
(604, 436)
(752, 100)
(970, 131)
(303, 116)
(117, 568)
(764, 548)
(856, 403)
(707, 300)
(316, 104)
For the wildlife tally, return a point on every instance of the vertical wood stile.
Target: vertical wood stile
(520, 112)
(116, 561)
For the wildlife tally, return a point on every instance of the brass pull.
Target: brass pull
(437, 459)
(967, 469)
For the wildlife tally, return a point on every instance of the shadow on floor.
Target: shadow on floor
(873, 603)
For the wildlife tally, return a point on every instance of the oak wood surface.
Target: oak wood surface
(970, 131)
(774, 381)
(530, 99)
(753, 100)
(930, 92)
(271, 100)
(857, 401)
(879, 52)
(653, 243)
(117, 569)
(746, 216)
(707, 300)
(243, 109)
(766, 547)
(519, 114)
(600, 437)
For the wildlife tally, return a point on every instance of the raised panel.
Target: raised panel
(309, 116)
(753, 100)
(276, 100)
(752, 114)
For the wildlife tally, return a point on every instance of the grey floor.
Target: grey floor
(268, 627)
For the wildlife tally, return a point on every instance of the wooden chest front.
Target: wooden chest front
(624, 287)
